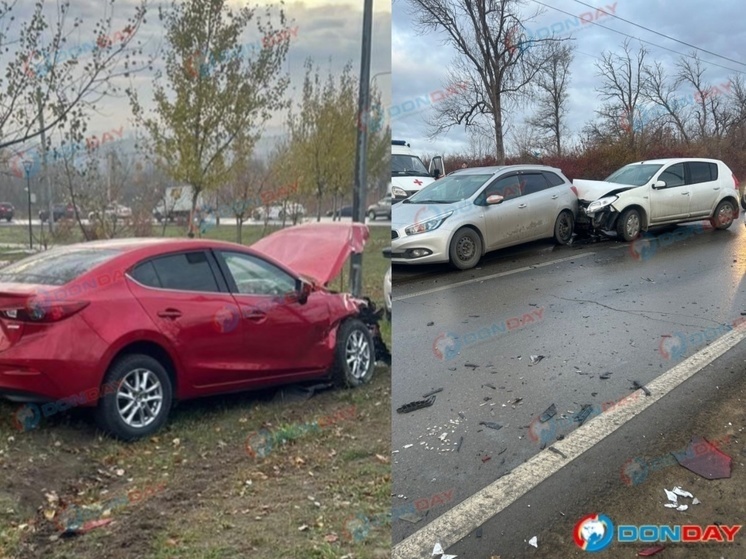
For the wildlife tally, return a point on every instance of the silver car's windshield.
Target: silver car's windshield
(635, 174)
(452, 188)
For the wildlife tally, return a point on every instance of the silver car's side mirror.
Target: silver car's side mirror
(494, 199)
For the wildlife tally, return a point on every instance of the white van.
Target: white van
(408, 172)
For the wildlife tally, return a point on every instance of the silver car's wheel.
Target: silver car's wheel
(466, 249)
(355, 354)
(629, 225)
(563, 228)
(372, 215)
(135, 397)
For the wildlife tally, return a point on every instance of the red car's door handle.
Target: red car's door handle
(255, 315)
(169, 313)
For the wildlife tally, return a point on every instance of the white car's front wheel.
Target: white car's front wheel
(629, 225)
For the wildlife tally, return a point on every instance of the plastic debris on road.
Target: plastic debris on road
(536, 358)
(432, 392)
(491, 425)
(704, 459)
(548, 414)
(416, 405)
(438, 552)
(534, 542)
(673, 498)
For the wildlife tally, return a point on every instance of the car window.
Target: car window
(552, 178)
(255, 276)
(531, 183)
(635, 174)
(452, 188)
(56, 266)
(187, 271)
(508, 187)
(145, 274)
(701, 171)
(673, 175)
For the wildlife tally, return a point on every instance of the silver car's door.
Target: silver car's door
(541, 202)
(504, 222)
(671, 202)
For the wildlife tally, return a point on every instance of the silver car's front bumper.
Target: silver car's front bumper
(434, 242)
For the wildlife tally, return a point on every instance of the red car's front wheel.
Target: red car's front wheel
(355, 354)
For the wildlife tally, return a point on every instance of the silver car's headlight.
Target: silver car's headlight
(429, 225)
(601, 203)
(398, 192)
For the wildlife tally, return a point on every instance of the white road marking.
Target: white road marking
(493, 276)
(474, 511)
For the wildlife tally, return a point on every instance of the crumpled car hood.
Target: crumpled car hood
(589, 190)
(315, 250)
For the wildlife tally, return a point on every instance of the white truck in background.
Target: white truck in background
(408, 172)
(177, 203)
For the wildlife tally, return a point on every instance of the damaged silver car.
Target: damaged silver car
(648, 194)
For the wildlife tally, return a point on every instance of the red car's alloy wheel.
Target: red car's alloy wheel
(139, 398)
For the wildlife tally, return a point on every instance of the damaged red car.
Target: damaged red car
(130, 326)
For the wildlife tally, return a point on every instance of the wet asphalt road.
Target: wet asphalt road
(601, 314)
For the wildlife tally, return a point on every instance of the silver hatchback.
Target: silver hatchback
(466, 214)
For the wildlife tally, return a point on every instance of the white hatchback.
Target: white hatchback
(647, 194)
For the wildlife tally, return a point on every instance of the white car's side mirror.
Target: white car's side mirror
(659, 184)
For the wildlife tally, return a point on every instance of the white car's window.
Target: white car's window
(255, 276)
(701, 171)
(673, 176)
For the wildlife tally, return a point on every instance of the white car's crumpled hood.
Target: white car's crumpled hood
(589, 190)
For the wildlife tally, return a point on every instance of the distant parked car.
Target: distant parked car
(194, 318)
(113, 211)
(382, 208)
(344, 211)
(61, 211)
(290, 211)
(659, 192)
(6, 211)
(464, 215)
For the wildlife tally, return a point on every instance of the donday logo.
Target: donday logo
(594, 532)
(446, 346)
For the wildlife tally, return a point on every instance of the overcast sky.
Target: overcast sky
(420, 62)
(328, 32)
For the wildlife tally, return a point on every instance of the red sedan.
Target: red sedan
(131, 325)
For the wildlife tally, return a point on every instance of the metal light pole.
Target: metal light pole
(358, 196)
(27, 165)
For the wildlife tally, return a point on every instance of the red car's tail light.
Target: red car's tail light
(44, 312)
